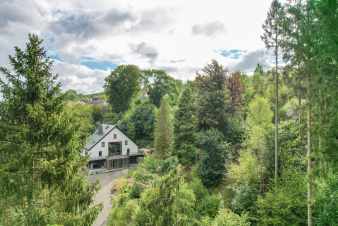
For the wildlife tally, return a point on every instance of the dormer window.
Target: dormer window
(100, 153)
(115, 136)
(102, 144)
(126, 142)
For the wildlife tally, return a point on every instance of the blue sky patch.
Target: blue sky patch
(53, 55)
(234, 54)
(95, 64)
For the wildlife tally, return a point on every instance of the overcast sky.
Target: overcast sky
(88, 38)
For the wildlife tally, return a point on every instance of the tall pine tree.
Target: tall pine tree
(273, 29)
(41, 165)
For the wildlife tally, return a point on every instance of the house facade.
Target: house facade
(109, 148)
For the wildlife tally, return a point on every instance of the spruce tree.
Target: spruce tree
(41, 164)
(163, 130)
(213, 98)
(185, 125)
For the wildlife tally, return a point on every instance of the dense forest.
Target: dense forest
(228, 148)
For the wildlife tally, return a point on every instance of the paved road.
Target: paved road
(103, 195)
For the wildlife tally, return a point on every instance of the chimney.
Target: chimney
(100, 129)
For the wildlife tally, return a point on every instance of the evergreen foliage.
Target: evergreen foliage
(212, 103)
(215, 163)
(214, 151)
(163, 137)
(41, 166)
(185, 128)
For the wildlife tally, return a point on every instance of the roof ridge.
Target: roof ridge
(101, 138)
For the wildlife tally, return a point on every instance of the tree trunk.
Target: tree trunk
(299, 108)
(308, 156)
(276, 108)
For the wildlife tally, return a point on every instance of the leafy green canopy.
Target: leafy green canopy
(157, 84)
(139, 123)
(157, 193)
(121, 86)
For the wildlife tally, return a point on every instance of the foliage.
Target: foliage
(41, 164)
(228, 218)
(82, 117)
(236, 89)
(187, 154)
(258, 127)
(98, 114)
(258, 82)
(229, 118)
(244, 178)
(158, 84)
(273, 26)
(213, 166)
(168, 202)
(246, 171)
(284, 203)
(71, 95)
(163, 130)
(185, 128)
(327, 201)
(207, 204)
(140, 123)
(212, 102)
(121, 87)
(164, 199)
(213, 157)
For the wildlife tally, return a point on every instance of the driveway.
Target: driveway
(103, 195)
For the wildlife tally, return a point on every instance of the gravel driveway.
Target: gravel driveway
(103, 195)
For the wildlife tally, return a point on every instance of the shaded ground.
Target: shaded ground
(103, 195)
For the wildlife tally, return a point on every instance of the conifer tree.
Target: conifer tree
(185, 126)
(41, 163)
(213, 98)
(163, 130)
(272, 38)
(213, 157)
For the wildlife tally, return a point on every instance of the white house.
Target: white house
(110, 148)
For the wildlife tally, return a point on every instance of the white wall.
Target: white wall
(120, 137)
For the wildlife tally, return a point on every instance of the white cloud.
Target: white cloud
(209, 29)
(158, 34)
(79, 77)
(249, 61)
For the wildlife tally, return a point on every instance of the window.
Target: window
(102, 144)
(115, 136)
(100, 153)
(126, 142)
(114, 148)
(128, 151)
